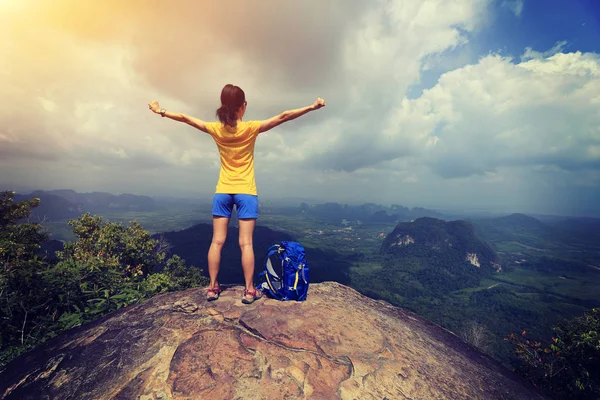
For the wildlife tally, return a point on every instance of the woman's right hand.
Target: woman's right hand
(318, 103)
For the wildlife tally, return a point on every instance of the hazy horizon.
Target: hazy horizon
(471, 104)
(281, 200)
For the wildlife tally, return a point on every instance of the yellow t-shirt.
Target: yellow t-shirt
(236, 148)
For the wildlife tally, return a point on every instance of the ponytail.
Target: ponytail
(232, 98)
(226, 116)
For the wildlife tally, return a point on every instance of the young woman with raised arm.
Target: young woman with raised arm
(235, 141)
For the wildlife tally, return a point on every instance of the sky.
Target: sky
(463, 104)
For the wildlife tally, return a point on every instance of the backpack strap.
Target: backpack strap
(273, 250)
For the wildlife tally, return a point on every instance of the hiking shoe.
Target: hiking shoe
(213, 293)
(256, 294)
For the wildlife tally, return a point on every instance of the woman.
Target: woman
(235, 140)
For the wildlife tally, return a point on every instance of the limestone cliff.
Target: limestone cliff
(338, 344)
(453, 242)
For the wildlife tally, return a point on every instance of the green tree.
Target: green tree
(108, 266)
(20, 283)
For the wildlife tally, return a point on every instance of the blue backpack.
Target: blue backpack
(290, 282)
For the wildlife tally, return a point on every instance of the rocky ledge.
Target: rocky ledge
(338, 344)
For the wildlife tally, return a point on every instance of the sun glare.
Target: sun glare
(10, 4)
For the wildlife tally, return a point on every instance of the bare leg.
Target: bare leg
(214, 253)
(247, 247)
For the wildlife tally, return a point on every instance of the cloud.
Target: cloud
(531, 54)
(494, 113)
(85, 71)
(189, 51)
(515, 6)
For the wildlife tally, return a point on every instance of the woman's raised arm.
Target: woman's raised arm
(289, 115)
(195, 122)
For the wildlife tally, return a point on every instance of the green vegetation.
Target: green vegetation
(569, 365)
(107, 267)
(565, 282)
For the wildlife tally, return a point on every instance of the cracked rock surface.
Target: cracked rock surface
(337, 344)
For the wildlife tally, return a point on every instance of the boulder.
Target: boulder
(337, 344)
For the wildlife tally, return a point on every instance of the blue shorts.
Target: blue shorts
(246, 205)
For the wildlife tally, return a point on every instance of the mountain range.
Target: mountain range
(63, 204)
(365, 213)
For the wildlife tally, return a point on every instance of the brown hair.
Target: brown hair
(232, 98)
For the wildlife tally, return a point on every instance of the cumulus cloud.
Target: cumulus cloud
(497, 113)
(543, 111)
